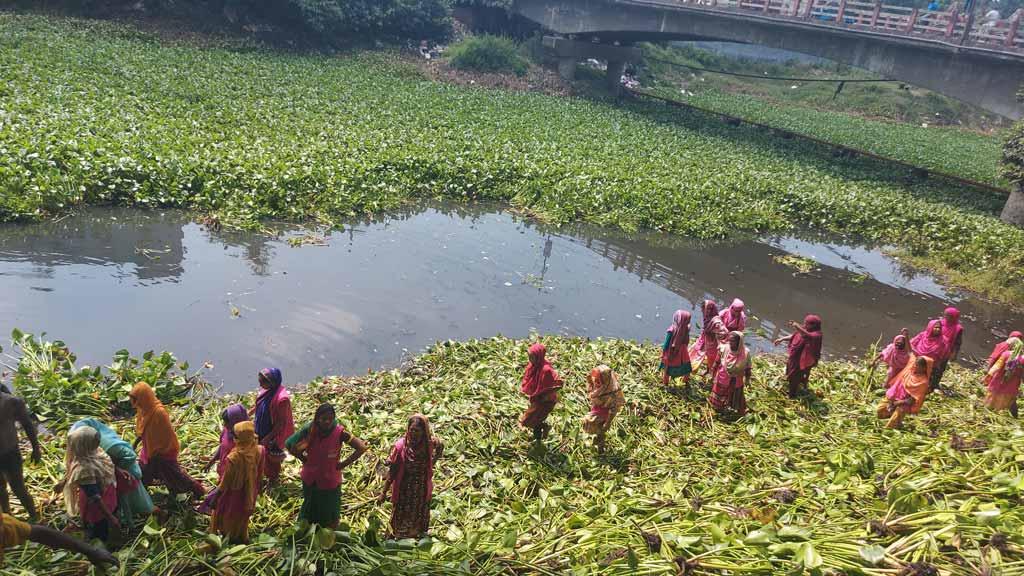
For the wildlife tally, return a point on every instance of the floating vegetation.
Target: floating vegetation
(814, 486)
(799, 263)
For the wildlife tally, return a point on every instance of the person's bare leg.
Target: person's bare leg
(17, 481)
(5, 499)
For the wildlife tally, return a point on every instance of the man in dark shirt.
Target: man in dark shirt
(13, 409)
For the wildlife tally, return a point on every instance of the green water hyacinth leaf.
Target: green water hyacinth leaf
(872, 554)
(761, 536)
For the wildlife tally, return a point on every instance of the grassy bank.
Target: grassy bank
(98, 113)
(920, 129)
(814, 486)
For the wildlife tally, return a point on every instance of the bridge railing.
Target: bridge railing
(950, 25)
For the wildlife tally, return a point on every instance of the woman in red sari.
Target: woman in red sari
(411, 478)
(931, 343)
(675, 358)
(273, 419)
(804, 353)
(1003, 378)
(953, 336)
(540, 384)
(713, 333)
(732, 375)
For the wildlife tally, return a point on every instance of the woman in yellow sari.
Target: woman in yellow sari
(907, 393)
(606, 400)
(239, 486)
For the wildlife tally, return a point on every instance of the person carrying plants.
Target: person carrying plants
(159, 456)
(731, 376)
(540, 384)
(953, 336)
(1001, 347)
(896, 356)
(734, 317)
(906, 395)
(318, 446)
(239, 485)
(14, 409)
(133, 500)
(90, 485)
(274, 421)
(804, 353)
(1004, 376)
(675, 356)
(931, 343)
(229, 417)
(14, 532)
(713, 333)
(411, 478)
(606, 400)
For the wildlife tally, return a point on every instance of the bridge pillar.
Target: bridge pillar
(569, 52)
(567, 68)
(614, 74)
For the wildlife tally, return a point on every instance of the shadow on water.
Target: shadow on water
(382, 289)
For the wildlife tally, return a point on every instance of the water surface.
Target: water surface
(380, 290)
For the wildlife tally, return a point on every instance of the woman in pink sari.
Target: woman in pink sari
(1001, 347)
(953, 336)
(713, 333)
(273, 420)
(540, 384)
(734, 317)
(411, 479)
(931, 343)
(675, 358)
(1003, 378)
(896, 356)
(732, 375)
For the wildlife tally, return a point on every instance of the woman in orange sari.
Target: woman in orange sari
(239, 485)
(1003, 378)
(159, 455)
(606, 400)
(907, 393)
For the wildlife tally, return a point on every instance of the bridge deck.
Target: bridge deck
(951, 26)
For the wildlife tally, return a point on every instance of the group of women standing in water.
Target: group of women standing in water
(106, 479)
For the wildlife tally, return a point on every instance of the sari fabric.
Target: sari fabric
(734, 317)
(911, 384)
(929, 343)
(1001, 347)
(539, 377)
(676, 353)
(731, 376)
(239, 486)
(606, 400)
(231, 416)
(895, 357)
(86, 463)
(411, 472)
(13, 532)
(133, 499)
(153, 425)
(711, 335)
(1004, 377)
(952, 330)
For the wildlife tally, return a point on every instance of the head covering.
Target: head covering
(604, 391)
(404, 452)
(230, 416)
(910, 382)
(951, 327)
(242, 471)
(325, 408)
(734, 362)
(926, 343)
(807, 346)
(1016, 350)
(85, 463)
(894, 357)
(264, 420)
(119, 450)
(1001, 347)
(734, 317)
(680, 329)
(153, 423)
(709, 311)
(539, 376)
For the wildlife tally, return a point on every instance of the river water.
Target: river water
(381, 290)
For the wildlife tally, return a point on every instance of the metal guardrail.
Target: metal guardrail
(951, 26)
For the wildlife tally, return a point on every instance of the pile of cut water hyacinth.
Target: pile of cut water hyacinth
(814, 486)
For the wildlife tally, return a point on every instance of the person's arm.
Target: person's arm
(796, 326)
(279, 423)
(783, 339)
(95, 495)
(292, 443)
(392, 472)
(56, 539)
(358, 449)
(25, 419)
(668, 340)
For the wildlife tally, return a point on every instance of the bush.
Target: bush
(488, 54)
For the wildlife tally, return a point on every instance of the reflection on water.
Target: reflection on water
(107, 279)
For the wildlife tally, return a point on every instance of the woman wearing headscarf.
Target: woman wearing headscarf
(734, 317)
(1001, 347)
(133, 500)
(675, 356)
(731, 376)
(712, 334)
(953, 336)
(1004, 376)
(931, 343)
(606, 400)
(159, 456)
(804, 353)
(411, 478)
(907, 393)
(274, 422)
(90, 485)
(318, 446)
(239, 485)
(895, 356)
(540, 384)
(229, 417)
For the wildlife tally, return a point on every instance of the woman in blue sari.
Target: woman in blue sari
(132, 499)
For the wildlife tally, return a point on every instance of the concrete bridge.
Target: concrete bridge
(978, 62)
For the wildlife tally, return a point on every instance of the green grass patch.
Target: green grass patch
(97, 114)
(488, 53)
(810, 486)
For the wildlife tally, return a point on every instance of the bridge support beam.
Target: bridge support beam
(569, 52)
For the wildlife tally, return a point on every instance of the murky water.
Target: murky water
(109, 279)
